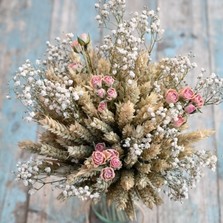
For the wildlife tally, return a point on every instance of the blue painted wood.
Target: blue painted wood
(85, 20)
(216, 48)
(76, 17)
(22, 30)
(25, 25)
(187, 30)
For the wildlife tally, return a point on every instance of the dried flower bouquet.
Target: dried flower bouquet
(113, 122)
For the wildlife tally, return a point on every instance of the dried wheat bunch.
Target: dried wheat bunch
(113, 122)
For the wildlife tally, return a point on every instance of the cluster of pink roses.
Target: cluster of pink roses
(108, 94)
(194, 101)
(105, 156)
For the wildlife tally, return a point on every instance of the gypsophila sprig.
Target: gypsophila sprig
(114, 122)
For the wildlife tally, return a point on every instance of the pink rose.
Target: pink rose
(102, 106)
(113, 152)
(187, 93)
(171, 96)
(107, 173)
(110, 153)
(74, 66)
(115, 163)
(84, 39)
(111, 93)
(100, 147)
(198, 101)
(189, 108)
(76, 46)
(107, 154)
(101, 92)
(98, 158)
(96, 81)
(180, 121)
(108, 80)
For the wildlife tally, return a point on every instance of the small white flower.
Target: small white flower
(47, 169)
(132, 74)
(130, 82)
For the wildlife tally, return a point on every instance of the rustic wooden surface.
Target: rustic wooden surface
(25, 26)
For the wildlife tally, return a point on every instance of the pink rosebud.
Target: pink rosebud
(198, 101)
(186, 93)
(115, 163)
(113, 152)
(180, 121)
(96, 81)
(76, 46)
(101, 92)
(108, 80)
(74, 66)
(171, 96)
(84, 39)
(107, 174)
(100, 147)
(107, 154)
(112, 94)
(190, 108)
(102, 106)
(98, 158)
(110, 153)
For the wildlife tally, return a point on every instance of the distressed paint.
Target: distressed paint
(190, 25)
(187, 30)
(67, 16)
(215, 16)
(85, 20)
(20, 32)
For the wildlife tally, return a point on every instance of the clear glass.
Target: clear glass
(104, 213)
(108, 213)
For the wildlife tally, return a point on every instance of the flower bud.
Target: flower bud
(112, 94)
(98, 158)
(76, 46)
(96, 81)
(102, 106)
(100, 147)
(115, 163)
(83, 39)
(186, 93)
(180, 121)
(189, 109)
(108, 80)
(107, 174)
(171, 96)
(198, 101)
(101, 92)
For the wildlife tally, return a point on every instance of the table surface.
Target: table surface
(25, 26)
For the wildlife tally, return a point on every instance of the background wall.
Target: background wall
(25, 26)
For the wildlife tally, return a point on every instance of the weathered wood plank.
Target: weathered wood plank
(206, 197)
(76, 17)
(216, 48)
(20, 32)
(24, 30)
(186, 30)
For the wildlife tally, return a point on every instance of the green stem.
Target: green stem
(89, 61)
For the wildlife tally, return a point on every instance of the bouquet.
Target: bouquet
(114, 124)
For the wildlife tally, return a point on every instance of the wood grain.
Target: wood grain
(187, 30)
(215, 17)
(25, 25)
(66, 16)
(20, 37)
